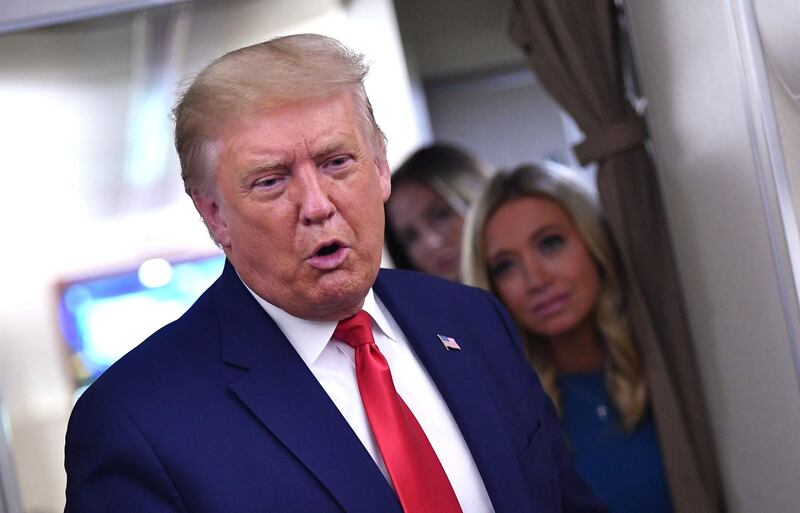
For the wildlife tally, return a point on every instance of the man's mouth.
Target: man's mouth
(329, 249)
(329, 255)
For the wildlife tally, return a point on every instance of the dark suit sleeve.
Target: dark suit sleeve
(576, 497)
(110, 465)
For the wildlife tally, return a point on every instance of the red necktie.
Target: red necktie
(418, 477)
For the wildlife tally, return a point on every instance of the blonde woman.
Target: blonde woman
(536, 239)
(431, 192)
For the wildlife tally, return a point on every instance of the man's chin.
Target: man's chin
(339, 295)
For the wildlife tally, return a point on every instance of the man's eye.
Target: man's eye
(268, 182)
(338, 162)
(551, 243)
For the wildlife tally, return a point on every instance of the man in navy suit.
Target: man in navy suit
(260, 397)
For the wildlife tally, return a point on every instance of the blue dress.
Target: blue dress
(623, 469)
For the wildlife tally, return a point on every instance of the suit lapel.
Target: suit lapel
(284, 395)
(459, 377)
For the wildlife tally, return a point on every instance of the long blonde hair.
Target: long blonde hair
(624, 376)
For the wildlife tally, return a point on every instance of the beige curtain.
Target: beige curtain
(572, 45)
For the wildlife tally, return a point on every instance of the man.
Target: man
(272, 393)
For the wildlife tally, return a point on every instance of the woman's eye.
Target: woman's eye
(439, 216)
(500, 268)
(409, 237)
(442, 214)
(551, 243)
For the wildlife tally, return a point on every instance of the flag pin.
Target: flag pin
(449, 343)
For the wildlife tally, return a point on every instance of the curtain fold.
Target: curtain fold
(572, 45)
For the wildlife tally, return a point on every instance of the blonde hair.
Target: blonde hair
(263, 76)
(624, 377)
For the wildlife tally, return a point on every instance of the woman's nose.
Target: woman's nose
(432, 238)
(536, 275)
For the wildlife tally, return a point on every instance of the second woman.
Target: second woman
(536, 239)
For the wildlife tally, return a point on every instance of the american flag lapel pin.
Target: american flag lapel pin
(449, 343)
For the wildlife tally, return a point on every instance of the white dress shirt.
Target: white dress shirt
(333, 364)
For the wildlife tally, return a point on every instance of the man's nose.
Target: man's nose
(314, 199)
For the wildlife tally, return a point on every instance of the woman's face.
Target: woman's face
(427, 228)
(541, 268)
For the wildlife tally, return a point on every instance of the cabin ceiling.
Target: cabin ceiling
(456, 37)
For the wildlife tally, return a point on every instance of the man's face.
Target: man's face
(297, 205)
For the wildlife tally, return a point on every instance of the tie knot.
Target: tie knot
(355, 330)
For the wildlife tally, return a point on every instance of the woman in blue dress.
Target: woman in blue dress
(536, 239)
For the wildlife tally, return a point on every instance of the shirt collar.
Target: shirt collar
(381, 316)
(309, 338)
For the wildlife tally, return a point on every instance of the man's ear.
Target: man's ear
(213, 216)
(384, 177)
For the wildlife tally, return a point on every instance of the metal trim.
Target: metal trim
(71, 16)
(778, 207)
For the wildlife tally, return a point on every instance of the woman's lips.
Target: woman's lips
(329, 261)
(447, 261)
(551, 306)
(447, 264)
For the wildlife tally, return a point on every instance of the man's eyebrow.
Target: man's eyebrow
(260, 164)
(331, 147)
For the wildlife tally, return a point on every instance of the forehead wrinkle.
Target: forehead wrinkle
(268, 159)
(258, 155)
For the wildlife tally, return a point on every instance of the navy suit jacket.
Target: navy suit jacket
(216, 412)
